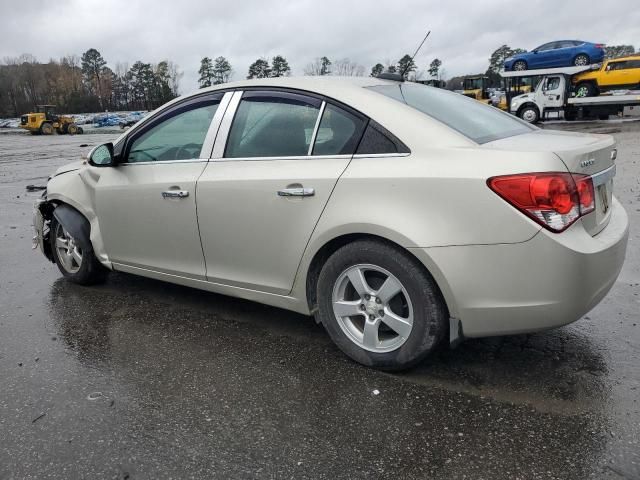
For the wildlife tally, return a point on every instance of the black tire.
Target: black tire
(72, 128)
(90, 270)
(603, 117)
(581, 60)
(529, 113)
(46, 128)
(585, 89)
(520, 65)
(430, 318)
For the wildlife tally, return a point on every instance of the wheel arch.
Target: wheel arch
(75, 223)
(323, 253)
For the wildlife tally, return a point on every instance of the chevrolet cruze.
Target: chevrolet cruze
(399, 215)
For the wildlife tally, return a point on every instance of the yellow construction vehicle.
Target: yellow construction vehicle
(476, 88)
(45, 121)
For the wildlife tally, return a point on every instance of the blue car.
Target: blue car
(562, 53)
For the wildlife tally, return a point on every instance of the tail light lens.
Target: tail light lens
(599, 45)
(554, 200)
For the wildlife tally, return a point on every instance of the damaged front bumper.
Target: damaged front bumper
(41, 214)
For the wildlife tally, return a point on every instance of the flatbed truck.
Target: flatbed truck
(552, 97)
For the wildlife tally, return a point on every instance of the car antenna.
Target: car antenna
(414, 55)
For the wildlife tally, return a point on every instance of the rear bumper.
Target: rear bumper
(548, 281)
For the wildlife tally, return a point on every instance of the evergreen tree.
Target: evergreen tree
(259, 69)
(206, 73)
(92, 65)
(221, 71)
(406, 65)
(325, 63)
(434, 67)
(377, 69)
(280, 67)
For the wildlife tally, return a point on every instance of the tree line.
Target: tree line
(219, 70)
(88, 84)
(85, 84)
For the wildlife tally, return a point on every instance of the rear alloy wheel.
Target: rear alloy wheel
(581, 60)
(77, 264)
(379, 305)
(520, 65)
(529, 114)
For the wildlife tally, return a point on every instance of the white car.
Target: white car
(400, 215)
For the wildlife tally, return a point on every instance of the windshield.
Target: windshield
(472, 83)
(471, 118)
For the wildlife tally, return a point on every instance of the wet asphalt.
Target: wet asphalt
(138, 379)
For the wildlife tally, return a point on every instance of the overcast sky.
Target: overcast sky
(463, 34)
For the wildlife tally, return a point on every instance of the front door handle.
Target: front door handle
(296, 192)
(175, 194)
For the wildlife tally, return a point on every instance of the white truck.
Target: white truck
(552, 97)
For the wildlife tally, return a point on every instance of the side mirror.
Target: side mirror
(534, 51)
(102, 155)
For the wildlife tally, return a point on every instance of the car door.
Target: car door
(277, 159)
(616, 73)
(563, 53)
(146, 204)
(552, 89)
(542, 56)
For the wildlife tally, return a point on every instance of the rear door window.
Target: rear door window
(339, 132)
(272, 124)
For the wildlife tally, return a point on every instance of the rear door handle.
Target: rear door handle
(175, 194)
(296, 192)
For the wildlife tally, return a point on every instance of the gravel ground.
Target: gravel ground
(141, 379)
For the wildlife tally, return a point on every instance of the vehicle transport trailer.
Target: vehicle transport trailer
(553, 97)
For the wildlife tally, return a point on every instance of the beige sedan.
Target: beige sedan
(399, 215)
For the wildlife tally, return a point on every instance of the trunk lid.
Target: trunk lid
(587, 154)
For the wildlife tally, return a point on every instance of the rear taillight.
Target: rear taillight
(599, 45)
(554, 200)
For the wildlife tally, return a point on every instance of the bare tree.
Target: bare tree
(346, 68)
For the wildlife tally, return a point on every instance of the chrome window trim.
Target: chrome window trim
(380, 155)
(214, 126)
(306, 158)
(164, 162)
(604, 176)
(316, 127)
(225, 125)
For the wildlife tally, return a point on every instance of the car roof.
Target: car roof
(312, 83)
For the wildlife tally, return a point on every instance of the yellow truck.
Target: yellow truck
(45, 121)
(614, 74)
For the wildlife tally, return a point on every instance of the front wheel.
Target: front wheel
(380, 306)
(585, 89)
(77, 264)
(529, 114)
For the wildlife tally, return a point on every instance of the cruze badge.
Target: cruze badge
(587, 163)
